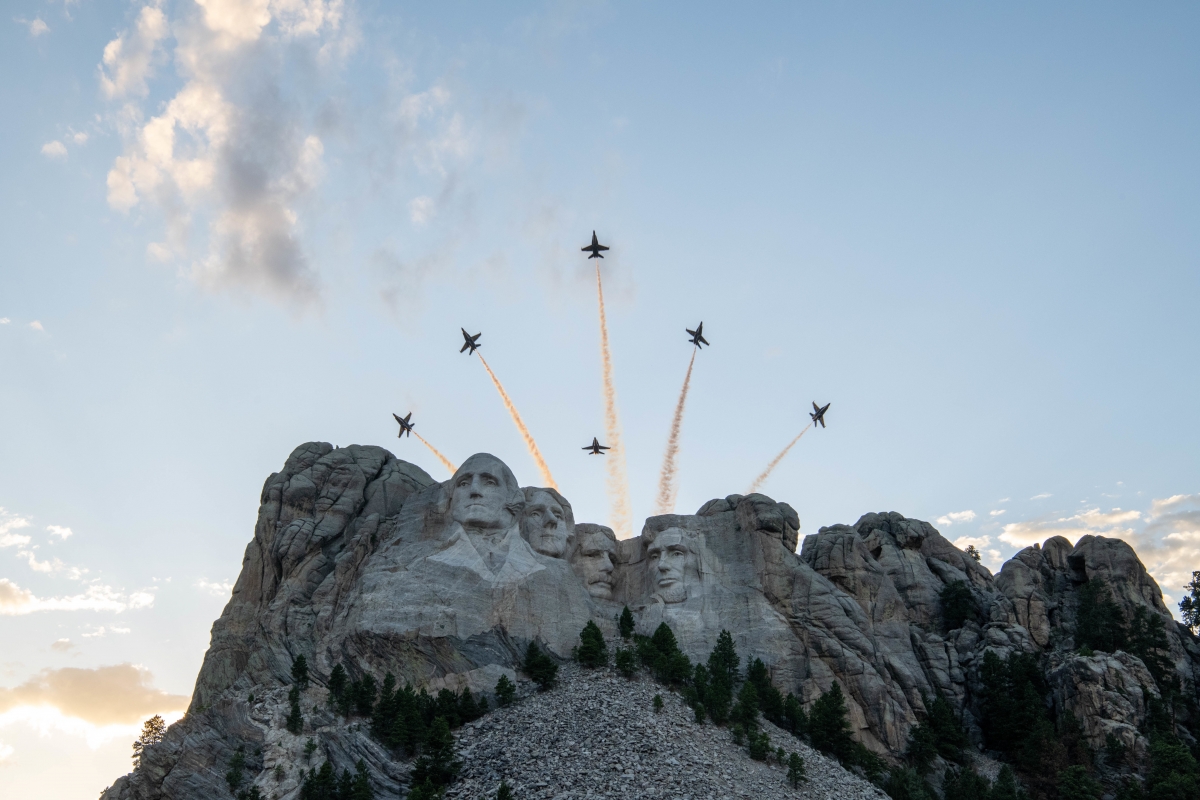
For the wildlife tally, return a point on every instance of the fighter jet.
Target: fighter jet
(470, 341)
(818, 414)
(698, 335)
(406, 424)
(594, 248)
(595, 446)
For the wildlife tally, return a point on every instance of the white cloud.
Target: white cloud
(54, 149)
(54, 565)
(62, 646)
(421, 210)
(4, 320)
(59, 531)
(221, 589)
(956, 516)
(129, 59)
(15, 601)
(79, 137)
(996, 512)
(37, 326)
(1041, 496)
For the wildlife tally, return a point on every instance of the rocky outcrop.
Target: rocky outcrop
(363, 560)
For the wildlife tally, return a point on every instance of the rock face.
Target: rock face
(363, 560)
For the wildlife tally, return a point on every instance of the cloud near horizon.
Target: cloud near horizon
(121, 694)
(955, 516)
(1166, 538)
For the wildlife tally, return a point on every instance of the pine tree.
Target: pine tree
(796, 772)
(153, 731)
(1074, 783)
(504, 792)
(540, 668)
(829, 724)
(1189, 606)
(505, 690)
(300, 672)
(626, 662)
(794, 718)
(625, 625)
(658, 704)
(360, 787)
(438, 762)
(337, 686)
(1006, 787)
(592, 650)
(745, 712)
(237, 770)
(294, 721)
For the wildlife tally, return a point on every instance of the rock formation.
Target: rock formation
(363, 560)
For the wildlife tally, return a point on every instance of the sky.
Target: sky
(229, 227)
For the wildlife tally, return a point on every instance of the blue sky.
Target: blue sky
(235, 226)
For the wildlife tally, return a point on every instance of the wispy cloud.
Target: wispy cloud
(4, 320)
(59, 531)
(996, 512)
(36, 326)
(10, 522)
(37, 26)
(216, 589)
(54, 149)
(955, 517)
(15, 601)
(1041, 496)
(62, 646)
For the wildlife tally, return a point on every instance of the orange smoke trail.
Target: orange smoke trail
(667, 484)
(761, 479)
(445, 461)
(547, 478)
(620, 514)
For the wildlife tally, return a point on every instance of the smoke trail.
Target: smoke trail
(620, 515)
(761, 479)
(667, 484)
(547, 478)
(445, 461)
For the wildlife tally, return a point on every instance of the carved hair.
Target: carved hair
(584, 532)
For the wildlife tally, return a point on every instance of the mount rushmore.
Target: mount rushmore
(363, 560)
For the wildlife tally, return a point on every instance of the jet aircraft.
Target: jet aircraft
(594, 248)
(818, 414)
(596, 447)
(698, 336)
(406, 424)
(470, 341)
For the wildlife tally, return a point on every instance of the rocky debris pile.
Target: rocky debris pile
(596, 735)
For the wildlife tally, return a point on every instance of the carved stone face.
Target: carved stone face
(544, 525)
(594, 563)
(480, 492)
(668, 557)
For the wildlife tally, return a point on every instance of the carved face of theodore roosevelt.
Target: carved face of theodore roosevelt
(669, 557)
(484, 494)
(593, 559)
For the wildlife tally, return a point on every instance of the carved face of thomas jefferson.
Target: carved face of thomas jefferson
(484, 494)
(593, 559)
(669, 558)
(544, 523)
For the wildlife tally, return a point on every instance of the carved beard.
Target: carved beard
(675, 593)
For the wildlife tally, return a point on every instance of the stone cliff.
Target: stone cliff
(363, 560)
